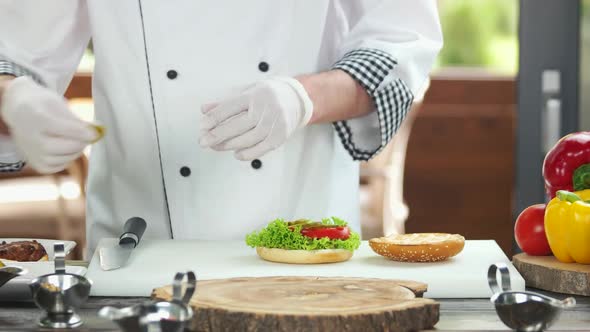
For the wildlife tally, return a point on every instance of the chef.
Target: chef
(220, 116)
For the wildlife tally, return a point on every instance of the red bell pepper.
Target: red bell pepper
(567, 164)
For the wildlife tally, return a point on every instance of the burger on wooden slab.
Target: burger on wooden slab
(418, 247)
(305, 241)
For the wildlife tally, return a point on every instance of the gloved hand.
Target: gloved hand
(45, 132)
(258, 120)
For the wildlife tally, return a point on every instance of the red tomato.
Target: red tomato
(529, 231)
(337, 232)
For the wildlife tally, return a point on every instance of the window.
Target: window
(480, 34)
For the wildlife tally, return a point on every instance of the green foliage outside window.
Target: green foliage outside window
(480, 33)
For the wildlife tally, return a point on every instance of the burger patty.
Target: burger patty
(22, 251)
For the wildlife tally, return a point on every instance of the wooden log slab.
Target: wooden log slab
(546, 272)
(309, 304)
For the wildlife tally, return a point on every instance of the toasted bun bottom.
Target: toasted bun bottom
(304, 256)
(419, 252)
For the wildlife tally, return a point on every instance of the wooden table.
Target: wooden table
(455, 314)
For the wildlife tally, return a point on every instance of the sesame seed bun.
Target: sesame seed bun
(418, 247)
(303, 256)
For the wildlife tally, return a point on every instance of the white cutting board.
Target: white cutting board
(154, 262)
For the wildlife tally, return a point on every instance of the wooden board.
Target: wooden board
(546, 272)
(309, 304)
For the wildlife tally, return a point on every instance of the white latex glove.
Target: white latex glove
(258, 120)
(46, 133)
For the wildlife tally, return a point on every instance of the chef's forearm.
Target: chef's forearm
(336, 96)
(4, 81)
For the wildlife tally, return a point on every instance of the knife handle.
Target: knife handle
(132, 231)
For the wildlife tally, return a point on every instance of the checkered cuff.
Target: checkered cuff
(8, 67)
(11, 167)
(392, 99)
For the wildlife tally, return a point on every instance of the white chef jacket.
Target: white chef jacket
(157, 62)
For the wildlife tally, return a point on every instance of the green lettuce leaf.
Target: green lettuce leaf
(278, 235)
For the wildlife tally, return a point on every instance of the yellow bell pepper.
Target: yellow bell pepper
(567, 225)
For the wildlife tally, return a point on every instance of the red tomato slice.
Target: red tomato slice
(336, 232)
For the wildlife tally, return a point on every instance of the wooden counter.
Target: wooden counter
(455, 315)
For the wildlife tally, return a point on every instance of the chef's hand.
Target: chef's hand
(46, 133)
(258, 120)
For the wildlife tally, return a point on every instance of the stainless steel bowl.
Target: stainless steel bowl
(9, 272)
(166, 316)
(158, 316)
(523, 311)
(60, 294)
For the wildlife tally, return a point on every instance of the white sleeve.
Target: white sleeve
(44, 40)
(389, 48)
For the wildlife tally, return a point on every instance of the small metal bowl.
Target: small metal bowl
(60, 294)
(9, 272)
(163, 316)
(158, 316)
(127, 318)
(523, 311)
